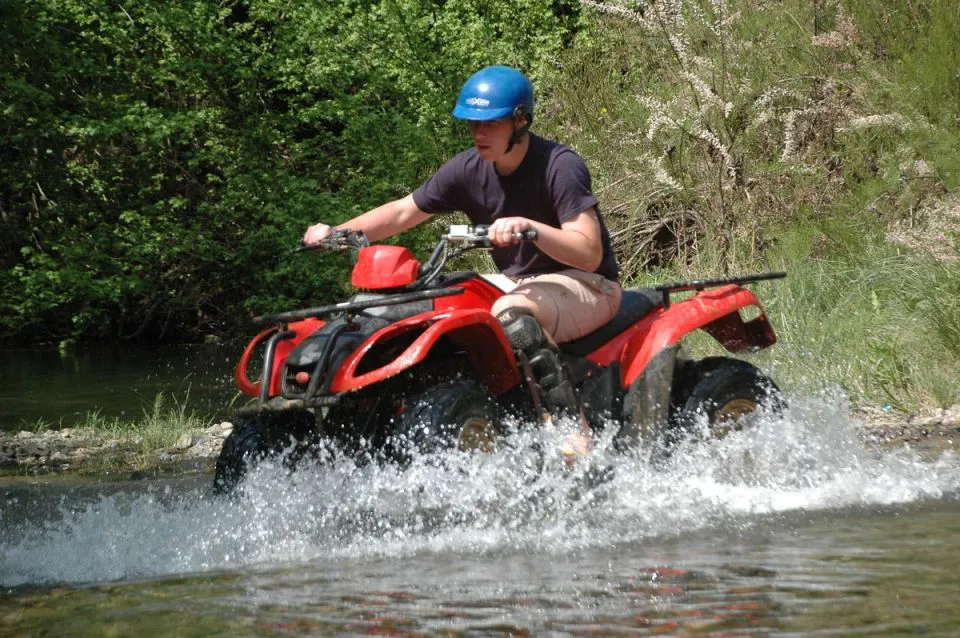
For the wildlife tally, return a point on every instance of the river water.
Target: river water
(795, 528)
(44, 385)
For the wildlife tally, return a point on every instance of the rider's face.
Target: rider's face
(492, 137)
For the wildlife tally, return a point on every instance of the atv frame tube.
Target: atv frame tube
(268, 361)
(320, 371)
(703, 284)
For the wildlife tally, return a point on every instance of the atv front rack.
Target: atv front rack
(703, 284)
(349, 306)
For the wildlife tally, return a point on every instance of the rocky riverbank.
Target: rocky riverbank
(932, 432)
(87, 452)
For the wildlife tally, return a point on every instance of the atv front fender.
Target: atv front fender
(716, 311)
(475, 331)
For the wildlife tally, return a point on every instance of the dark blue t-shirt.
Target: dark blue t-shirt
(551, 185)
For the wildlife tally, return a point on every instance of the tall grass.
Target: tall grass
(821, 137)
(882, 325)
(137, 442)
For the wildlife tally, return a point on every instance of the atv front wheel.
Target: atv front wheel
(460, 414)
(261, 436)
(726, 392)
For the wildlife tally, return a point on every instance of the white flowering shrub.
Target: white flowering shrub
(708, 121)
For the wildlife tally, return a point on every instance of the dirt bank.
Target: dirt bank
(86, 452)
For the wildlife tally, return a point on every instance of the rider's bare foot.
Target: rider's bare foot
(576, 445)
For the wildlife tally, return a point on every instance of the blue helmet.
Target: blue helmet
(494, 92)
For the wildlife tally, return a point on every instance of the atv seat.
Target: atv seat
(635, 304)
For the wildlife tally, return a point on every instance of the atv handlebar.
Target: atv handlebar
(478, 236)
(471, 237)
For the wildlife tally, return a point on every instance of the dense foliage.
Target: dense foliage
(158, 160)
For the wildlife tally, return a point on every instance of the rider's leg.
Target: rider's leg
(544, 310)
(526, 335)
(567, 304)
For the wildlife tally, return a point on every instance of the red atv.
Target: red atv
(416, 357)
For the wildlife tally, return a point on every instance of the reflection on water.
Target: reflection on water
(846, 571)
(45, 385)
(793, 528)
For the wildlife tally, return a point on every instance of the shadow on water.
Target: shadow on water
(116, 382)
(793, 527)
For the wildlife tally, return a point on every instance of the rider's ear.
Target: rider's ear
(522, 117)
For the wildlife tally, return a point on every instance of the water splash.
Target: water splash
(518, 499)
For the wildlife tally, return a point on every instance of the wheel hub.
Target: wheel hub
(478, 435)
(729, 415)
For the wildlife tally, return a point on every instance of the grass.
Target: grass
(865, 323)
(820, 138)
(137, 442)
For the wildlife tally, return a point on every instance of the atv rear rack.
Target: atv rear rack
(703, 284)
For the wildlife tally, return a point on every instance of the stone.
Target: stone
(31, 449)
(185, 442)
(951, 417)
(927, 421)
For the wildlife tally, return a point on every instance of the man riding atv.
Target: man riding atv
(563, 285)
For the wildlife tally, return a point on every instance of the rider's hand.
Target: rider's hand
(316, 234)
(505, 231)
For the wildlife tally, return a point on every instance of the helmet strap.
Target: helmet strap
(519, 132)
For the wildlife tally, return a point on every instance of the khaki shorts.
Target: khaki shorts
(568, 304)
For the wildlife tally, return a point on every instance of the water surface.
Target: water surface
(49, 386)
(796, 528)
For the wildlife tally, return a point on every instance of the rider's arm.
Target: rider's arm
(381, 222)
(576, 243)
(387, 220)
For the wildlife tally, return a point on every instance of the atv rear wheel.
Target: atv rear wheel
(726, 392)
(261, 436)
(460, 414)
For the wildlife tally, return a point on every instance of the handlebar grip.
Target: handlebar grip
(527, 235)
(302, 247)
(339, 240)
(330, 243)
